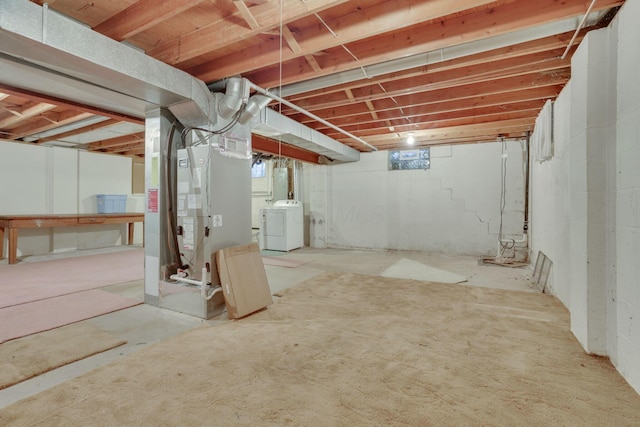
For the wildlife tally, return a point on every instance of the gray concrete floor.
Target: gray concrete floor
(144, 325)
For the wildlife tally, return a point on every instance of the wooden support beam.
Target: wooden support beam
(137, 146)
(427, 37)
(207, 39)
(42, 125)
(78, 131)
(30, 109)
(270, 146)
(440, 122)
(290, 39)
(68, 104)
(422, 108)
(426, 95)
(369, 126)
(535, 51)
(374, 114)
(117, 141)
(383, 17)
(490, 129)
(313, 63)
(246, 14)
(543, 63)
(142, 15)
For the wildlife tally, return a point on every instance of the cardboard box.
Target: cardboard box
(243, 280)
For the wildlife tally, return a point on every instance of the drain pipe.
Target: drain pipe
(308, 114)
(525, 227)
(584, 19)
(202, 284)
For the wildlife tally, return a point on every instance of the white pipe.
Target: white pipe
(307, 113)
(584, 18)
(202, 284)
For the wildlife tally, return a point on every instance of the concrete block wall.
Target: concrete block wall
(627, 195)
(596, 166)
(42, 180)
(549, 192)
(453, 207)
(592, 131)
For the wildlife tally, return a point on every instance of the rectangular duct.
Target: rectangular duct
(271, 124)
(45, 52)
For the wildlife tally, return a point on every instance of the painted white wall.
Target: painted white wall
(101, 174)
(452, 207)
(23, 189)
(627, 196)
(595, 170)
(550, 215)
(62, 195)
(41, 180)
(261, 194)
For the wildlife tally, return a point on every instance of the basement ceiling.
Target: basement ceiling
(448, 72)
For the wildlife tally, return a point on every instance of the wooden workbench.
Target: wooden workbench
(14, 222)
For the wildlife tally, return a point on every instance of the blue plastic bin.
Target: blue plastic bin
(112, 203)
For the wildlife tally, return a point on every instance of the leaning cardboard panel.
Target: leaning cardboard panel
(243, 279)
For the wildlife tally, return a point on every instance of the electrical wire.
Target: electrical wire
(504, 246)
(211, 133)
(172, 232)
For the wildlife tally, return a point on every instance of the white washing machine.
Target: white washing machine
(281, 226)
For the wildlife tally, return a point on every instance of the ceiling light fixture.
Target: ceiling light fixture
(411, 138)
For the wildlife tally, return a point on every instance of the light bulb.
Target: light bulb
(410, 138)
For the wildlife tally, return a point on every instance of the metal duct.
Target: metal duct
(253, 107)
(231, 102)
(45, 52)
(60, 57)
(271, 124)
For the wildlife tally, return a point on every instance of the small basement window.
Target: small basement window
(418, 158)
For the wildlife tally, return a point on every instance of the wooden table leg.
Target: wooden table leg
(1, 242)
(131, 224)
(13, 245)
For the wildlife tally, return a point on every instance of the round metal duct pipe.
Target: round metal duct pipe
(232, 99)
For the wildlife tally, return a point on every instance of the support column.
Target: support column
(157, 126)
(592, 131)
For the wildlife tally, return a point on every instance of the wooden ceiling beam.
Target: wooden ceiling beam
(266, 145)
(246, 14)
(422, 108)
(69, 104)
(30, 109)
(470, 91)
(382, 17)
(42, 124)
(452, 141)
(432, 36)
(473, 130)
(117, 141)
(142, 15)
(78, 131)
(126, 148)
(138, 152)
(224, 32)
(535, 50)
(417, 125)
(527, 65)
(364, 128)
